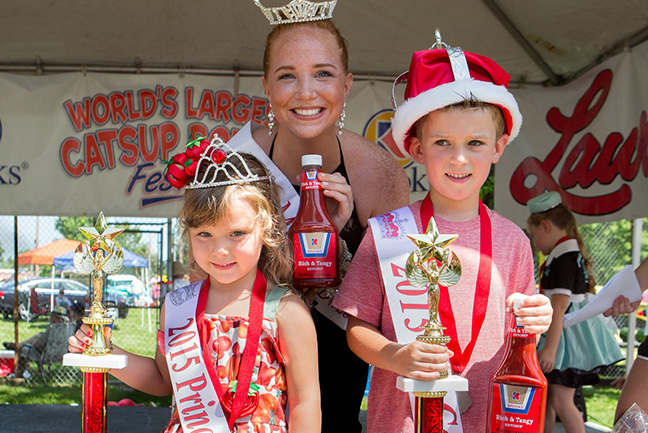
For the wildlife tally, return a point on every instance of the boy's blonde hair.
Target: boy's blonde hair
(466, 104)
(564, 219)
(211, 205)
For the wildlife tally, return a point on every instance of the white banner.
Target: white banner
(75, 144)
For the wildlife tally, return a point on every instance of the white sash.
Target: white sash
(195, 396)
(408, 305)
(244, 142)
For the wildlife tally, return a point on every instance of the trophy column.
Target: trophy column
(431, 264)
(100, 254)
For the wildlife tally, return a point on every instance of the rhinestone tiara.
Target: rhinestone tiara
(218, 156)
(298, 11)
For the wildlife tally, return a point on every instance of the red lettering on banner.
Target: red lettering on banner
(132, 114)
(118, 107)
(206, 105)
(147, 103)
(241, 109)
(588, 162)
(168, 97)
(121, 107)
(223, 103)
(147, 155)
(258, 109)
(106, 137)
(71, 145)
(93, 154)
(79, 113)
(190, 112)
(100, 109)
(181, 338)
(130, 151)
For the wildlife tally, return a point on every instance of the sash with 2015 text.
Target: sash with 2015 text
(408, 305)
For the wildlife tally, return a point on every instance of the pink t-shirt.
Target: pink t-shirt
(362, 295)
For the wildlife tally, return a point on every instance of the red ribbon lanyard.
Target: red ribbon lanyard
(480, 303)
(246, 368)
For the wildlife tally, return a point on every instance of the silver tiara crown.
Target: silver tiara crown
(298, 11)
(218, 157)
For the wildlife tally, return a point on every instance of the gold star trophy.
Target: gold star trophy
(430, 265)
(100, 254)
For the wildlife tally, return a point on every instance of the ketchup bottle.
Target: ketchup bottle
(313, 233)
(518, 389)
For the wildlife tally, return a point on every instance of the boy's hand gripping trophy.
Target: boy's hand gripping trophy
(99, 255)
(430, 265)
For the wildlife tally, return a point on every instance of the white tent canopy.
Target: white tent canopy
(535, 41)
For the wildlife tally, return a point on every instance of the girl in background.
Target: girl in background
(239, 348)
(570, 357)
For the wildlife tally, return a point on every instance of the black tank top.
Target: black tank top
(352, 231)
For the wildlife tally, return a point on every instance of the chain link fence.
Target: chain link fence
(133, 298)
(49, 286)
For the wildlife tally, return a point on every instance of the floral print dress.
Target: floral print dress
(226, 345)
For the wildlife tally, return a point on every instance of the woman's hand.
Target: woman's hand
(535, 312)
(83, 338)
(336, 187)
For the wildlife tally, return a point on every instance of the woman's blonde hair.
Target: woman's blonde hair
(326, 25)
(210, 205)
(562, 217)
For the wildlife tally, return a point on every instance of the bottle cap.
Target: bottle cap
(311, 160)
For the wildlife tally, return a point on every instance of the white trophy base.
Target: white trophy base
(113, 362)
(451, 383)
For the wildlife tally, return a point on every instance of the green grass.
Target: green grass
(130, 333)
(601, 403)
(16, 392)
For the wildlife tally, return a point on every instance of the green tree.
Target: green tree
(131, 239)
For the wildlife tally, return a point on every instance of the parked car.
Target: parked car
(42, 290)
(115, 301)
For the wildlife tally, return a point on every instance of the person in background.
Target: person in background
(570, 357)
(180, 275)
(63, 301)
(32, 348)
(633, 387)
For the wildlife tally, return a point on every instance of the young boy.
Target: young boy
(457, 119)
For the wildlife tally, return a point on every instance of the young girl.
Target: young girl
(570, 357)
(239, 348)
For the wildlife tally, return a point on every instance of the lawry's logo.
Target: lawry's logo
(582, 159)
(378, 129)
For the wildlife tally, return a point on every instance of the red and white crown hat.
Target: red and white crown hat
(445, 76)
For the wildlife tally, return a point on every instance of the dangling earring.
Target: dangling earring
(271, 120)
(340, 122)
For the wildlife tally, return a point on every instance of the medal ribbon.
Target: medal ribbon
(480, 303)
(246, 367)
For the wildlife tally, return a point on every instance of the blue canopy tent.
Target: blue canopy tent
(131, 260)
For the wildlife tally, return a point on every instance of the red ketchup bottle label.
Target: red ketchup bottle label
(313, 233)
(518, 390)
